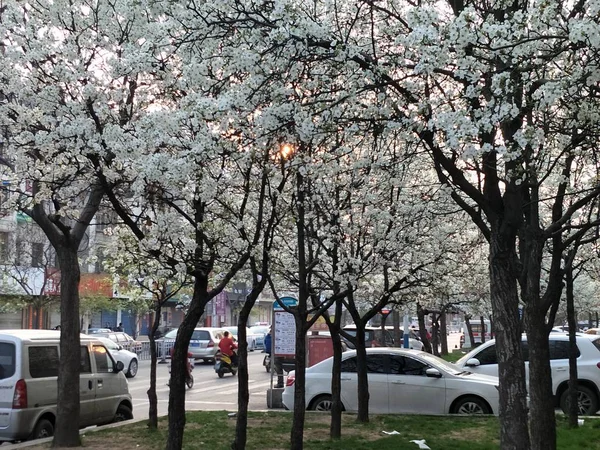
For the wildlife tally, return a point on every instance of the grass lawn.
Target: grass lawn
(214, 430)
(454, 356)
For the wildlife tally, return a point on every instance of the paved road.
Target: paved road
(209, 392)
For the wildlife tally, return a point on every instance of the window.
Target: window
(201, 335)
(104, 362)
(43, 361)
(7, 360)
(349, 365)
(487, 356)
(560, 350)
(84, 365)
(37, 254)
(403, 365)
(376, 363)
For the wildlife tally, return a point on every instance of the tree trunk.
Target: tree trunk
(421, 313)
(152, 397)
(542, 416)
(483, 329)
(239, 442)
(363, 382)
(443, 333)
(573, 409)
(297, 435)
(179, 360)
(241, 434)
(435, 334)
(66, 432)
(398, 336)
(543, 425)
(469, 331)
(514, 434)
(335, 429)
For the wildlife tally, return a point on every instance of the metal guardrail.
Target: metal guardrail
(163, 350)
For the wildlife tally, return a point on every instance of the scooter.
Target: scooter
(189, 379)
(223, 365)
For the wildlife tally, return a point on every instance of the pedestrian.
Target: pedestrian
(120, 327)
(277, 362)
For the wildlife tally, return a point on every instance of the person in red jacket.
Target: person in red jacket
(188, 366)
(227, 346)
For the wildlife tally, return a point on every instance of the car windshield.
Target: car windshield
(439, 362)
(109, 344)
(259, 330)
(171, 334)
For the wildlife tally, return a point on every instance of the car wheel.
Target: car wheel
(587, 401)
(133, 368)
(43, 429)
(321, 403)
(471, 405)
(123, 413)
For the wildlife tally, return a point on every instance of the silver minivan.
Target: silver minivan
(28, 384)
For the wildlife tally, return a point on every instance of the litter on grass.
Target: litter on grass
(390, 432)
(421, 443)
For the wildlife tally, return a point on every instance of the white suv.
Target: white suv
(483, 360)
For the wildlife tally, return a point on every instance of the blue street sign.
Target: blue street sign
(287, 301)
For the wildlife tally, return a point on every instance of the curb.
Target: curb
(81, 432)
(97, 428)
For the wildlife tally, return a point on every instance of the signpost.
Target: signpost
(283, 336)
(284, 328)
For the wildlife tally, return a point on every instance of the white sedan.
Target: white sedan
(400, 381)
(129, 359)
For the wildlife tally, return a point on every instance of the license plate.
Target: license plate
(195, 344)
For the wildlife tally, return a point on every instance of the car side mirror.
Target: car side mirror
(119, 367)
(473, 362)
(433, 373)
(119, 347)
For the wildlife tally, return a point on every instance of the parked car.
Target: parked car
(483, 360)
(374, 337)
(250, 337)
(28, 384)
(414, 340)
(260, 331)
(129, 359)
(204, 343)
(400, 381)
(123, 339)
(98, 330)
(592, 331)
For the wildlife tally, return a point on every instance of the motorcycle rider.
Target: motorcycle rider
(227, 347)
(188, 366)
